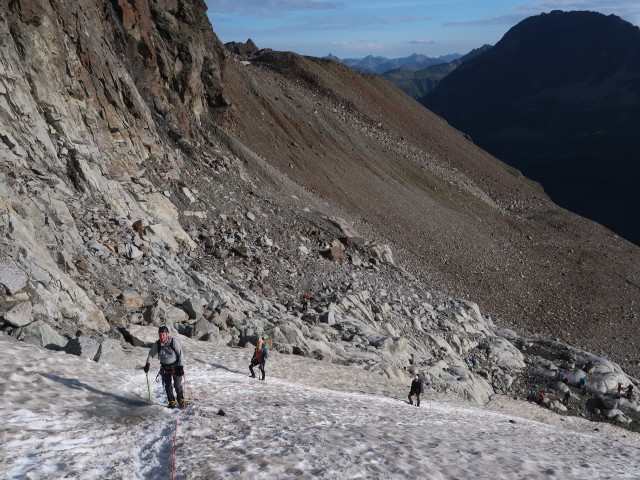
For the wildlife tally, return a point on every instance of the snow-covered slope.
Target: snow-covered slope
(67, 417)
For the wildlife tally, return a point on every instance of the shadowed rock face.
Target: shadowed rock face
(559, 98)
(142, 158)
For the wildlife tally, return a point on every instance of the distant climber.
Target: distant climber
(474, 360)
(305, 302)
(417, 388)
(619, 388)
(582, 383)
(171, 358)
(260, 355)
(565, 400)
(630, 390)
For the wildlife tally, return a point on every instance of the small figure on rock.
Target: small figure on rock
(630, 391)
(565, 400)
(417, 387)
(560, 376)
(474, 360)
(259, 358)
(305, 302)
(619, 388)
(171, 358)
(582, 383)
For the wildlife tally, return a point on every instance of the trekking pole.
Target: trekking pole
(148, 387)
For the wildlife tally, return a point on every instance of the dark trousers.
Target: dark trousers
(168, 377)
(260, 365)
(417, 394)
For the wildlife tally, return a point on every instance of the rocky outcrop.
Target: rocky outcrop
(244, 50)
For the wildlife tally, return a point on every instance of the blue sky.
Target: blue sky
(357, 28)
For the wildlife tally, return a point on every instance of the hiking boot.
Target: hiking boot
(181, 402)
(172, 404)
(262, 377)
(410, 402)
(252, 376)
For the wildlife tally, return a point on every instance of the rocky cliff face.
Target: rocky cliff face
(90, 97)
(148, 177)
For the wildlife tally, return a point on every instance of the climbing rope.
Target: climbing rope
(184, 411)
(207, 397)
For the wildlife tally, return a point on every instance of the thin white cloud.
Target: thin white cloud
(421, 42)
(595, 5)
(510, 19)
(271, 8)
(629, 10)
(343, 21)
(318, 24)
(380, 6)
(363, 45)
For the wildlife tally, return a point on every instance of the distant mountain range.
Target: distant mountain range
(559, 98)
(417, 83)
(413, 62)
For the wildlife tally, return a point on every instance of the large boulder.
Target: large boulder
(162, 313)
(83, 347)
(557, 405)
(574, 376)
(560, 387)
(204, 330)
(503, 353)
(604, 382)
(288, 338)
(142, 336)
(40, 333)
(19, 315)
(443, 378)
(11, 277)
(328, 317)
(194, 307)
(110, 351)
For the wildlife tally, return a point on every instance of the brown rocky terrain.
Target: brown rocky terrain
(457, 218)
(148, 176)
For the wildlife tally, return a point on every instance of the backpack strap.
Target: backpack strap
(170, 345)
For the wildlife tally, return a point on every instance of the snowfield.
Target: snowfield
(69, 417)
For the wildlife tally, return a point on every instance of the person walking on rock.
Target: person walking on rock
(259, 358)
(171, 358)
(565, 400)
(305, 302)
(474, 360)
(417, 387)
(630, 391)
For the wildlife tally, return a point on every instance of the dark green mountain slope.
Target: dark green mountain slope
(559, 98)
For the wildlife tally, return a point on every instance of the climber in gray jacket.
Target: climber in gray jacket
(171, 358)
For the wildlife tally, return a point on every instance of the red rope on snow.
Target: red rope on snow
(186, 387)
(184, 411)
